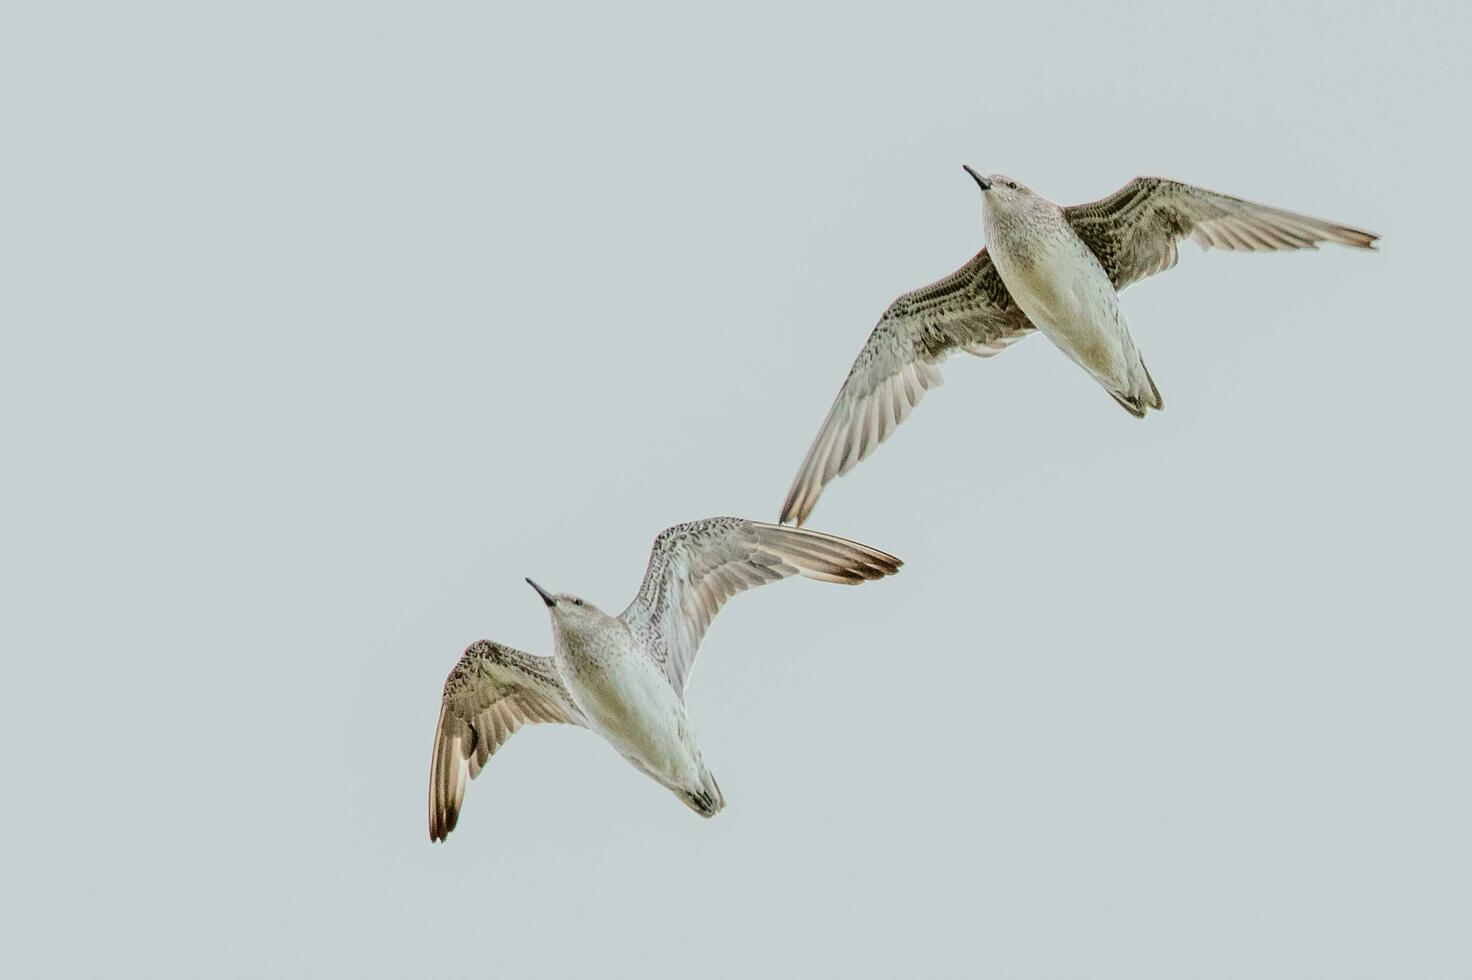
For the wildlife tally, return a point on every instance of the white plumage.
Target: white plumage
(1045, 267)
(624, 676)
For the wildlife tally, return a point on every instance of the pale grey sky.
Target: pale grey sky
(324, 324)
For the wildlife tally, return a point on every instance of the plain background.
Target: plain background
(326, 323)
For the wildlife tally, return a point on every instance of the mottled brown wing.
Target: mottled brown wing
(969, 310)
(1134, 231)
(491, 693)
(694, 568)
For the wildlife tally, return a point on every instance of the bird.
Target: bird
(624, 676)
(1053, 269)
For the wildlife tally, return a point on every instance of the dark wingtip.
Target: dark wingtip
(789, 510)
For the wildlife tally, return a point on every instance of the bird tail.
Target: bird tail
(1139, 401)
(1156, 402)
(708, 800)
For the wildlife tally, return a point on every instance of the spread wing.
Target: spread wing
(492, 692)
(694, 568)
(969, 310)
(1134, 231)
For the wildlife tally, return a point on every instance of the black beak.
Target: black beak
(547, 597)
(981, 181)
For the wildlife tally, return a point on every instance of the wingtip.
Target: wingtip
(792, 512)
(447, 824)
(1354, 237)
(440, 827)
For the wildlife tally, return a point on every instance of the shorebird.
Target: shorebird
(624, 676)
(1055, 269)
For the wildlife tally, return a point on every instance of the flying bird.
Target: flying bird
(1054, 269)
(624, 676)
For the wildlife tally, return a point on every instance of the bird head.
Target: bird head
(999, 189)
(570, 613)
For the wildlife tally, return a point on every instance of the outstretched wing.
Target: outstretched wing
(1134, 230)
(492, 692)
(694, 568)
(969, 310)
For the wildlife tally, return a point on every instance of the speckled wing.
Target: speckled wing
(1134, 231)
(491, 693)
(969, 310)
(694, 568)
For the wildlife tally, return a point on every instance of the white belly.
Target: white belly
(1071, 300)
(631, 704)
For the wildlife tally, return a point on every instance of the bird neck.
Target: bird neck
(591, 640)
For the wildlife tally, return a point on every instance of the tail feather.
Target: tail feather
(1135, 406)
(1139, 401)
(708, 800)
(1156, 402)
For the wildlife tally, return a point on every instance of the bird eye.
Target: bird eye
(1012, 184)
(577, 602)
